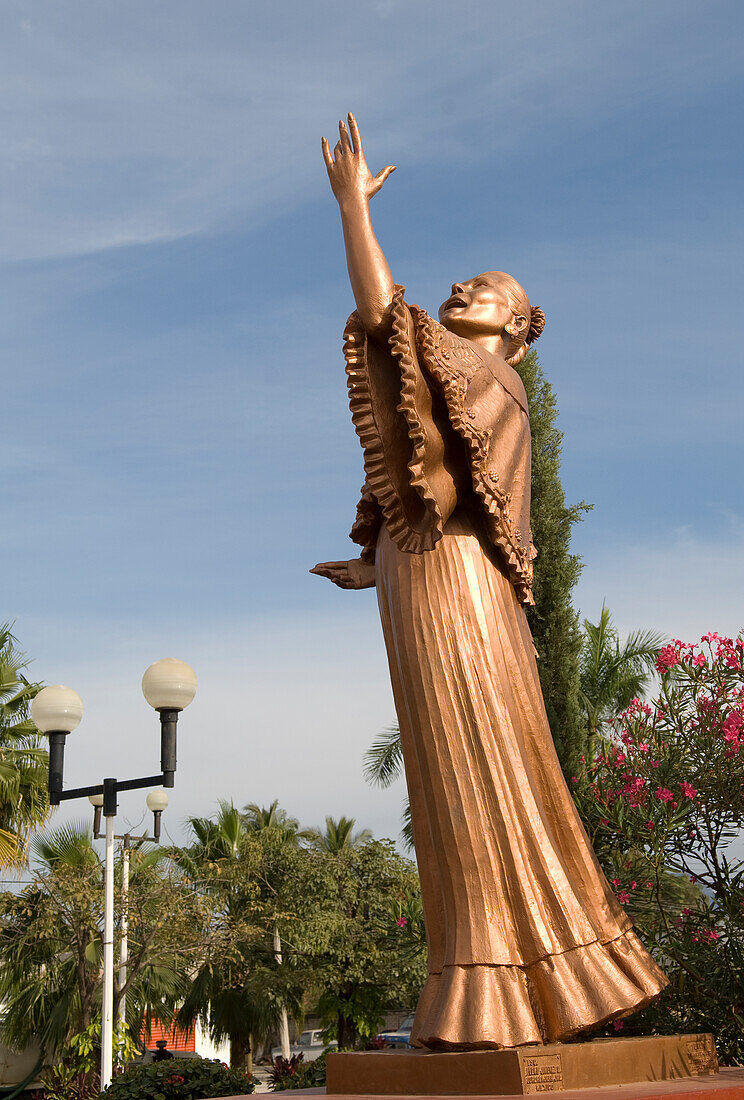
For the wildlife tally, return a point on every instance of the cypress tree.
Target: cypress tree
(553, 621)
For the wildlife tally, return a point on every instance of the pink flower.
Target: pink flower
(663, 794)
(401, 922)
(623, 897)
(687, 790)
(618, 1025)
(699, 660)
(649, 885)
(634, 788)
(668, 658)
(633, 884)
(732, 727)
(616, 882)
(650, 825)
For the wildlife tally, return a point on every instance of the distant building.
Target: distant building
(194, 1042)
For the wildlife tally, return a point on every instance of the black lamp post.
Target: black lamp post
(168, 686)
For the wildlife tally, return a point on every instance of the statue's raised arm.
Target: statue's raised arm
(354, 185)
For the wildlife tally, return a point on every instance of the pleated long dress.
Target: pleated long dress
(526, 940)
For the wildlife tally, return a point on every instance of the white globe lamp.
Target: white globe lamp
(57, 709)
(157, 800)
(169, 684)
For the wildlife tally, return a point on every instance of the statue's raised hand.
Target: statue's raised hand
(347, 169)
(347, 574)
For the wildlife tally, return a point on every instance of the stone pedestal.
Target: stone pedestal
(522, 1070)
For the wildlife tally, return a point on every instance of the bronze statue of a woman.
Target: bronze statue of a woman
(527, 943)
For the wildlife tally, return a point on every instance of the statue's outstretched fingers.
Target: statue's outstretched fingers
(355, 136)
(345, 139)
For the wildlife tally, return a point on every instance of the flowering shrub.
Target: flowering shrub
(662, 800)
(179, 1079)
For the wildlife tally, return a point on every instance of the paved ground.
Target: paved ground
(261, 1074)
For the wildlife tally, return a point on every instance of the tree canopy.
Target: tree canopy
(23, 760)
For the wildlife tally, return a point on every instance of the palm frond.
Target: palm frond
(338, 836)
(383, 761)
(69, 845)
(406, 832)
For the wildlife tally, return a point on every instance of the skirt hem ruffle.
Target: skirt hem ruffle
(490, 1007)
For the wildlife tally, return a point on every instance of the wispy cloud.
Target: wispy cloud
(683, 584)
(146, 124)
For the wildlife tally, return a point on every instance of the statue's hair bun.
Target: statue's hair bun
(537, 324)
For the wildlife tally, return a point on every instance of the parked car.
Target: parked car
(310, 1045)
(401, 1036)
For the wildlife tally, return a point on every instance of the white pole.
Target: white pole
(283, 1018)
(107, 1023)
(124, 947)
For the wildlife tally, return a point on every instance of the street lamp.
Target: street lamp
(168, 686)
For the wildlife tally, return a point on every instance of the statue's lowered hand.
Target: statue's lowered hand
(347, 574)
(347, 168)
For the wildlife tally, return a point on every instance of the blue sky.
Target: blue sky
(176, 448)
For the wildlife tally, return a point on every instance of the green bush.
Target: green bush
(179, 1079)
(297, 1074)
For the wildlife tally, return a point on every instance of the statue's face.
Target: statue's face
(478, 306)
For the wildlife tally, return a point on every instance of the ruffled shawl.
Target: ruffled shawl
(439, 419)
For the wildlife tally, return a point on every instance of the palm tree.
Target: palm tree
(217, 838)
(274, 821)
(23, 761)
(613, 673)
(51, 942)
(231, 990)
(339, 836)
